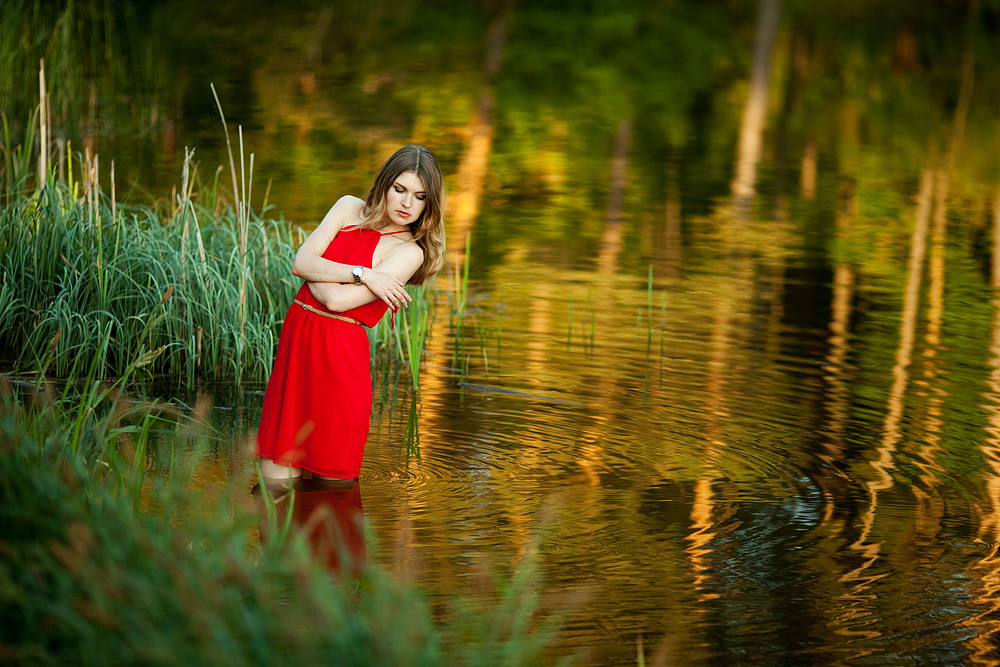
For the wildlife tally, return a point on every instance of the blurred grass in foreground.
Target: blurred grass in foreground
(110, 556)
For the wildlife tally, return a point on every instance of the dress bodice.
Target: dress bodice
(356, 246)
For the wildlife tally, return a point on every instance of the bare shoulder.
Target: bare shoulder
(401, 254)
(409, 250)
(347, 210)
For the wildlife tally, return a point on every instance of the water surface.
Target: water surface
(745, 405)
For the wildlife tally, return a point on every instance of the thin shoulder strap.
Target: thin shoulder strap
(401, 231)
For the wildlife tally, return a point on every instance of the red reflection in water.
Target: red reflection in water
(330, 517)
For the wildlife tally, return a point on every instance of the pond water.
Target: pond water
(737, 376)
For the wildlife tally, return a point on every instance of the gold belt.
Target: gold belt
(306, 306)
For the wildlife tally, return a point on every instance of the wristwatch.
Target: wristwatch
(357, 272)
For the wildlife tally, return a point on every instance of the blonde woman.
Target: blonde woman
(355, 265)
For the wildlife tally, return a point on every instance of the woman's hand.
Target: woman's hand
(386, 287)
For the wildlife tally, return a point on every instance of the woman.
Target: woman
(355, 265)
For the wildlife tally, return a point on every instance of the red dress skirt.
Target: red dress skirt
(319, 396)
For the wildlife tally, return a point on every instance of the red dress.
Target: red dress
(319, 396)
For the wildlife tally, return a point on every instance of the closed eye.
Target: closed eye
(400, 189)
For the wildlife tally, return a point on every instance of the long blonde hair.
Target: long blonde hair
(428, 229)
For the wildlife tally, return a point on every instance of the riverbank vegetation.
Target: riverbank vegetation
(86, 278)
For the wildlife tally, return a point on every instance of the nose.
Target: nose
(407, 199)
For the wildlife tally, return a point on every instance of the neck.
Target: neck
(388, 226)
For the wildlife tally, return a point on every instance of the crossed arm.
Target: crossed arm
(332, 283)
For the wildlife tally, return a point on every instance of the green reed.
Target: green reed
(17, 159)
(459, 309)
(416, 320)
(405, 340)
(411, 435)
(278, 535)
(174, 281)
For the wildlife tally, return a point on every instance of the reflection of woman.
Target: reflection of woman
(355, 264)
(331, 519)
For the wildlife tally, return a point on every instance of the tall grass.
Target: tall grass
(405, 340)
(77, 271)
(416, 326)
(17, 159)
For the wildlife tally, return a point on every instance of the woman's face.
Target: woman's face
(406, 199)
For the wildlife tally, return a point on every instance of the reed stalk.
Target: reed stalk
(411, 434)
(229, 147)
(464, 293)
(17, 159)
(461, 297)
(70, 183)
(92, 263)
(43, 115)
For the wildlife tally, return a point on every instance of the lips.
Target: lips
(403, 214)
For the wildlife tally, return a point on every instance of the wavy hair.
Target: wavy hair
(428, 229)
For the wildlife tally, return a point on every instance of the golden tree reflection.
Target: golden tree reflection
(984, 572)
(855, 603)
(755, 110)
